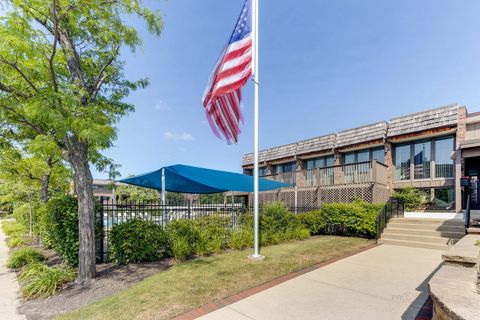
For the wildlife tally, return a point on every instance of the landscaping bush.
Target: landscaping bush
(137, 241)
(412, 198)
(13, 228)
(355, 219)
(59, 225)
(40, 280)
(187, 233)
(278, 224)
(241, 238)
(24, 256)
(16, 241)
(181, 248)
(313, 221)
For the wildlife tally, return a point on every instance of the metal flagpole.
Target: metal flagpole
(164, 213)
(256, 218)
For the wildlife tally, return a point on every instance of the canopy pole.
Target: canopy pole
(256, 218)
(164, 213)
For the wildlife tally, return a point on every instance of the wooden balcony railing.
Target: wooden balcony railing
(347, 174)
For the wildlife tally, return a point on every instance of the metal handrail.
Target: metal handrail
(390, 209)
(467, 212)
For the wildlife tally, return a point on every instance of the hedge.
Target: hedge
(58, 227)
(137, 241)
(143, 241)
(352, 219)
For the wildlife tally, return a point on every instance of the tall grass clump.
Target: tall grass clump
(40, 280)
(23, 257)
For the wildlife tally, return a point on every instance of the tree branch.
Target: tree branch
(102, 76)
(15, 66)
(7, 89)
(24, 121)
(54, 47)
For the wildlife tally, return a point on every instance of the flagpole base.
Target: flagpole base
(256, 258)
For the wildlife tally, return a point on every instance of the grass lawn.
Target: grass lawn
(194, 283)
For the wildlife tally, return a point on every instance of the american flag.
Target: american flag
(223, 95)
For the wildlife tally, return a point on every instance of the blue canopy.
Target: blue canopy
(187, 179)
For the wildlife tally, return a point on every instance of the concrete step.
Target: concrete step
(450, 222)
(430, 233)
(416, 244)
(425, 226)
(417, 238)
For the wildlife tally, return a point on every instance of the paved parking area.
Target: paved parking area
(385, 282)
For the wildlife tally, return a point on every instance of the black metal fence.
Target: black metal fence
(111, 213)
(392, 208)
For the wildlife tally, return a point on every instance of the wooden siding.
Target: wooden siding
(431, 119)
(434, 120)
(361, 135)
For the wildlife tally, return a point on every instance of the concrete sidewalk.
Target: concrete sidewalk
(386, 282)
(9, 290)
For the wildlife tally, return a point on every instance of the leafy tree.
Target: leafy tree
(211, 198)
(174, 197)
(411, 197)
(136, 194)
(62, 82)
(34, 169)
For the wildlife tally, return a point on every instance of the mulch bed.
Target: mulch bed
(110, 279)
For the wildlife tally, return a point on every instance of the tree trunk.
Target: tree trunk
(44, 196)
(78, 158)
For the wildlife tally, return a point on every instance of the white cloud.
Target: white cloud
(162, 106)
(178, 136)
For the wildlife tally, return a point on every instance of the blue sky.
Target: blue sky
(325, 66)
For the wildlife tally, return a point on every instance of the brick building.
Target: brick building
(430, 150)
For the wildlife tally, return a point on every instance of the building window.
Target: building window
(364, 155)
(262, 171)
(444, 198)
(422, 159)
(349, 158)
(444, 165)
(285, 172)
(285, 167)
(379, 155)
(321, 162)
(402, 162)
(329, 161)
(325, 175)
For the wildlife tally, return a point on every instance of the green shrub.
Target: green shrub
(313, 221)
(12, 228)
(183, 228)
(16, 241)
(216, 244)
(241, 238)
(24, 256)
(21, 213)
(40, 280)
(354, 219)
(412, 198)
(276, 220)
(181, 248)
(201, 246)
(59, 225)
(137, 241)
(297, 233)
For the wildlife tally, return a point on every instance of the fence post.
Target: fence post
(101, 245)
(189, 210)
